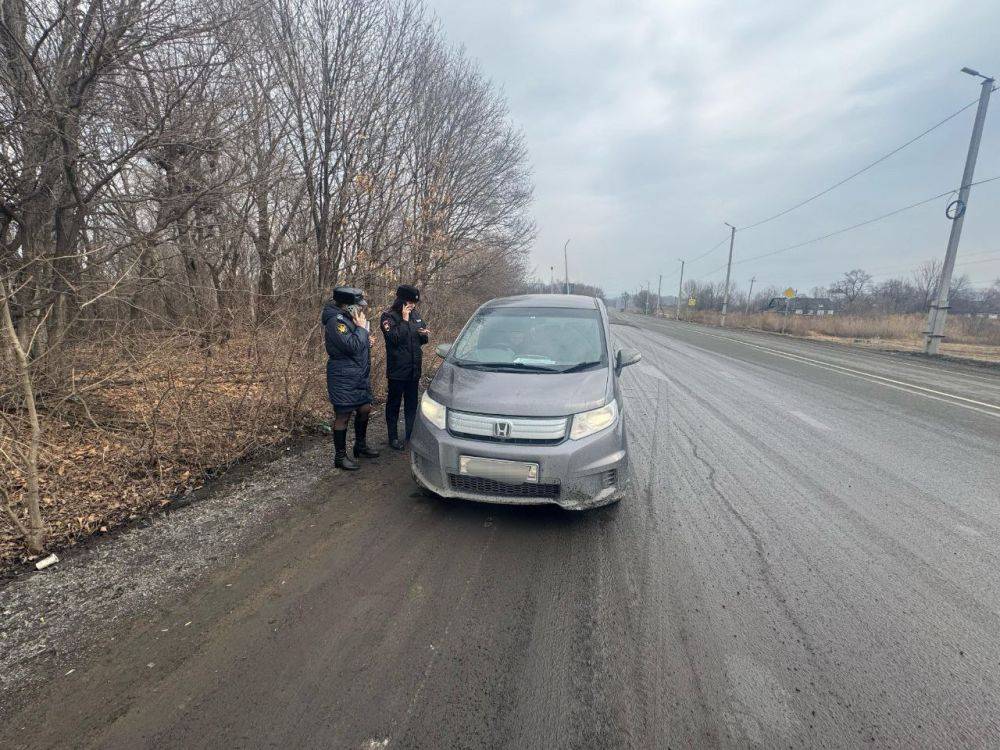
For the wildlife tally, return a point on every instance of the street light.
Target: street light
(729, 267)
(566, 264)
(977, 74)
(938, 312)
(680, 290)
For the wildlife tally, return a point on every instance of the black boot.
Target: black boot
(360, 443)
(410, 407)
(341, 459)
(394, 442)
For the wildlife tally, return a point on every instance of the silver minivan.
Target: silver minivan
(526, 407)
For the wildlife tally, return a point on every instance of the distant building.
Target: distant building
(802, 305)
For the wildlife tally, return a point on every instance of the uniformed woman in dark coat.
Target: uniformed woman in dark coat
(348, 371)
(405, 333)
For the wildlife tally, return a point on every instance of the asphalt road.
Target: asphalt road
(809, 556)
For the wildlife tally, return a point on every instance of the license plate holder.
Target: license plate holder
(500, 470)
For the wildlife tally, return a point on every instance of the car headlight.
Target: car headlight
(435, 413)
(595, 420)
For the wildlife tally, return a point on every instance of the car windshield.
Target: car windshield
(521, 339)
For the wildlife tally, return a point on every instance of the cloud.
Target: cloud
(650, 123)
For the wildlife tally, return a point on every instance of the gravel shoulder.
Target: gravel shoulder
(51, 621)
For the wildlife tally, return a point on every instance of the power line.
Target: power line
(861, 171)
(974, 262)
(707, 252)
(880, 271)
(722, 242)
(992, 254)
(854, 226)
(836, 185)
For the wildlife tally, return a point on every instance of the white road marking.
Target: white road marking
(884, 354)
(983, 407)
(809, 420)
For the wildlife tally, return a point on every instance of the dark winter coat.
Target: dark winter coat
(403, 355)
(348, 369)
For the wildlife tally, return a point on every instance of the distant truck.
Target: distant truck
(801, 305)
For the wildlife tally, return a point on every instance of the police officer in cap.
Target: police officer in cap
(405, 333)
(348, 371)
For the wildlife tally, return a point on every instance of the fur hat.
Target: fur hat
(408, 293)
(349, 295)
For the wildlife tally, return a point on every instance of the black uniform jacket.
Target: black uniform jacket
(348, 369)
(403, 355)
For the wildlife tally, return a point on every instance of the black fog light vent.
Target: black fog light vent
(493, 488)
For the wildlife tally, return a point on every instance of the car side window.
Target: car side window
(470, 340)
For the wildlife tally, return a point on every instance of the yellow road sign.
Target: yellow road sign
(789, 292)
(692, 302)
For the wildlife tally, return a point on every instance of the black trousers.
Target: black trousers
(405, 391)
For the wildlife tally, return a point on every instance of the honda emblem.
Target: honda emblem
(501, 430)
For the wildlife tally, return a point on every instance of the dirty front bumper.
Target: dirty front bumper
(575, 474)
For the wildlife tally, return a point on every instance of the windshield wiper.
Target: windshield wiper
(501, 366)
(582, 366)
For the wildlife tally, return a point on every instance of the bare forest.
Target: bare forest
(181, 185)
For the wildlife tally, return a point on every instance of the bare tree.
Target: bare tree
(925, 281)
(34, 531)
(179, 175)
(852, 286)
(894, 296)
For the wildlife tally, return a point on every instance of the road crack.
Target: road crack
(767, 575)
(766, 570)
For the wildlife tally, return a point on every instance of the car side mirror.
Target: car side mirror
(626, 357)
(442, 350)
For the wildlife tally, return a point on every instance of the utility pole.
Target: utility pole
(552, 279)
(680, 290)
(729, 267)
(746, 310)
(939, 309)
(659, 289)
(566, 264)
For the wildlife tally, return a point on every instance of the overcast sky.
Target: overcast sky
(652, 122)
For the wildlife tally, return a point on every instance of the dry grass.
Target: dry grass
(151, 416)
(130, 421)
(147, 421)
(978, 352)
(973, 338)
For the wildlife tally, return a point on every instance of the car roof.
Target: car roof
(575, 301)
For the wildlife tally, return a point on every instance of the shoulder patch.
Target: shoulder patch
(386, 324)
(341, 327)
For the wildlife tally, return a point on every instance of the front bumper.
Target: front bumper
(575, 474)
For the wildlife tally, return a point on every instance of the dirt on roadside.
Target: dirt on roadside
(48, 618)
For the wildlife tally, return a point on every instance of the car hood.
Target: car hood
(520, 394)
